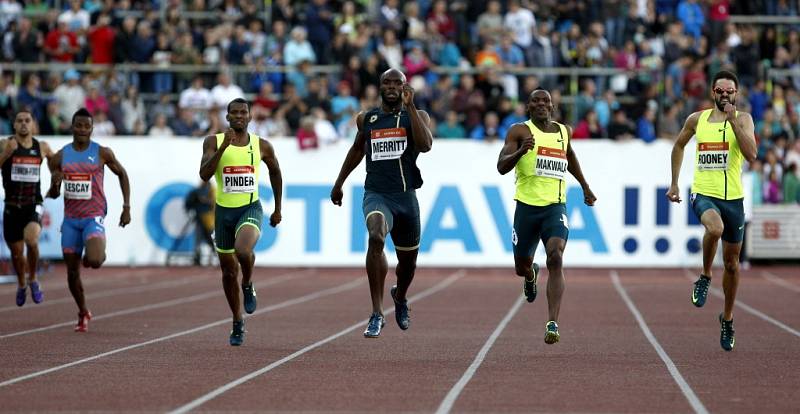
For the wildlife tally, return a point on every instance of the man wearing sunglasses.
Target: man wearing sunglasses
(725, 138)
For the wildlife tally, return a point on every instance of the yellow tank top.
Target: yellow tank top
(541, 173)
(237, 173)
(718, 162)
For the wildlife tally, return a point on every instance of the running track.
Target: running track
(630, 342)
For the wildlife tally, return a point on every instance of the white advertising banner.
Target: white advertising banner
(467, 207)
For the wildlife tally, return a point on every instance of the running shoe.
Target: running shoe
(529, 285)
(21, 296)
(726, 338)
(700, 291)
(83, 321)
(400, 310)
(250, 302)
(36, 293)
(376, 323)
(551, 334)
(237, 333)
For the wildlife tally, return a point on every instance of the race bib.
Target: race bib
(551, 162)
(712, 156)
(238, 179)
(25, 169)
(77, 186)
(388, 144)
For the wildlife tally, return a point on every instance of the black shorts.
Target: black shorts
(532, 223)
(730, 211)
(228, 221)
(401, 212)
(15, 218)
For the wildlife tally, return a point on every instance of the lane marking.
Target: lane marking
(311, 296)
(227, 387)
(687, 390)
(452, 396)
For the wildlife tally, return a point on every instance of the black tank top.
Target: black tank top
(391, 153)
(21, 178)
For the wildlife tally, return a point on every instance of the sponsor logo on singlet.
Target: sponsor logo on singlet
(712, 156)
(238, 179)
(77, 186)
(388, 144)
(551, 162)
(25, 169)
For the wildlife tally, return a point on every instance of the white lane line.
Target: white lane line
(227, 387)
(780, 282)
(100, 279)
(687, 390)
(718, 293)
(111, 292)
(311, 296)
(452, 396)
(152, 306)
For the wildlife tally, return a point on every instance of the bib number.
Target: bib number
(388, 144)
(551, 162)
(77, 186)
(25, 169)
(239, 179)
(712, 156)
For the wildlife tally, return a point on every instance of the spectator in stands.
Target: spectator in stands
(645, 127)
(223, 92)
(319, 22)
(135, 118)
(439, 16)
(61, 45)
(589, 127)
(53, 123)
(324, 129)
(164, 107)
(585, 100)
(100, 40)
(690, 13)
(489, 130)
(620, 127)
(451, 128)
(70, 94)
(95, 101)
(791, 185)
(413, 28)
(306, 138)
(27, 42)
(772, 188)
(292, 108)
(30, 96)
(162, 58)
(343, 106)
(185, 125)
(160, 127)
(298, 49)
(469, 102)
(522, 23)
(490, 23)
(390, 17)
(390, 50)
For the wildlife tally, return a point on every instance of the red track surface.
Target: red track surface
(159, 342)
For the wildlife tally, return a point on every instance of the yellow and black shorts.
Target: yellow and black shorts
(534, 223)
(228, 221)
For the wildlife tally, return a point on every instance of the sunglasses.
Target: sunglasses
(720, 91)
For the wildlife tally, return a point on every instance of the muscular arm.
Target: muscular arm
(114, 165)
(47, 152)
(351, 161)
(745, 135)
(420, 128)
(688, 130)
(211, 156)
(518, 142)
(56, 175)
(5, 150)
(275, 177)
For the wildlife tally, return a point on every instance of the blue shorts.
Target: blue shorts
(401, 212)
(76, 231)
(730, 211)
(534, 223)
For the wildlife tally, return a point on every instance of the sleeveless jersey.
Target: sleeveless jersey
(83, 182)
(237, 173)
(542, 171)
(391, 153)
(718, 161)
(21, 178)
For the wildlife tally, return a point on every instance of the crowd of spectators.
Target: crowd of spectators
(665, 52)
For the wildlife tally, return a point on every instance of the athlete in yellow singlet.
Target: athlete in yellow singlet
(725, 138)
(234, 159)
(540, 152)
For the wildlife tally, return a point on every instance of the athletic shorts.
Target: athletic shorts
(76, 231)
(731, 212)
(229, 220)
(401, 212)
(16, 218)
(534, 223)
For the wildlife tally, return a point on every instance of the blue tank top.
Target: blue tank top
(83, 182)
(391, 153)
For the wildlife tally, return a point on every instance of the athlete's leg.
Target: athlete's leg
(377, 266)
(555, 278)
(523, 266)
(713, 223)
(95, 253)
(17, 249)
(406, 266)
(730, 276)
(31, 237)
(246, 239)
(230, 282)
(73, 262)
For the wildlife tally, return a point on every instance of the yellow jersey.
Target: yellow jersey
(541, 172)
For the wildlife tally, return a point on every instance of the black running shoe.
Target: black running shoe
(700, 291)
(400, 310)
(726, 338)
(529, 285)
(374, 326)
(237, 333)
(250, 302)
